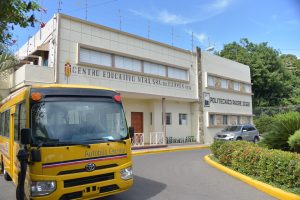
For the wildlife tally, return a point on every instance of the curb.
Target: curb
(157, 151)
(272, 191)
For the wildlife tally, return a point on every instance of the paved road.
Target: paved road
(176, 176)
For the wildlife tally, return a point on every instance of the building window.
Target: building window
(247, 88)
(95, 57)
(180, 74)
(128, 63)
(225, 119)
(151, 118)
(236, 86)
(212, 120)
(210, 81)
(182, 119)
(155, 69)
(168, 118)
(238, 119)
(224, 83)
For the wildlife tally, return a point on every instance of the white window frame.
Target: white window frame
(183, 121)
(170, 118)
(236, 86)
(224, 83)
(211, 81)
(155, 69)
(95, 57)
(180, 74)
(249, 88)
(212, 119)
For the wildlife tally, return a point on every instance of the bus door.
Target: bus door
(11, 140)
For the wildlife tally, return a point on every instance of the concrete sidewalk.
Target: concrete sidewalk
(169, 148)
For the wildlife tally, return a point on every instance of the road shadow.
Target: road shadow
(142, 189)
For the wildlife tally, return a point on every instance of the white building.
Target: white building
(153, 78)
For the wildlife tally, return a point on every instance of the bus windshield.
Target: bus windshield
(77, 122)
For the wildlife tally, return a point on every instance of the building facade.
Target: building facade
(159, 83)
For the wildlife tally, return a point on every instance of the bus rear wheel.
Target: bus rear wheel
(5, 174)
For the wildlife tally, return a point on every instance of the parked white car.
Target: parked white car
(246, 132)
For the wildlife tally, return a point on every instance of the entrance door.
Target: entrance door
(137, 121)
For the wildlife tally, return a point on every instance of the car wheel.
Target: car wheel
(256, 140)
(239, 138)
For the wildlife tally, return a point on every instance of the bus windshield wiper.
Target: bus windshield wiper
(56, 142)
(73, 143)
(109, 140)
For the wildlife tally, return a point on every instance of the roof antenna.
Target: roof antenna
(149, 29)
(172, 35)
(192, 41)
(86, 9)
(120, 20)
(210, 47)
(59, 6)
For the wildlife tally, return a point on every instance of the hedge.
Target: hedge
(275, 167)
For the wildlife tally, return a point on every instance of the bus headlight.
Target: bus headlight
(126, 173)
(41, 188)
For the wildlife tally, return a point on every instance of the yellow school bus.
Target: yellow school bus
(79, 141)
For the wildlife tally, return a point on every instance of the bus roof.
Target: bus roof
(46, 86)
(70, 86)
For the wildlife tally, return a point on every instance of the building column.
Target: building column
(200, 97)
(163, 105)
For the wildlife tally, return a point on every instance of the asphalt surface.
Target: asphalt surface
(174, 176)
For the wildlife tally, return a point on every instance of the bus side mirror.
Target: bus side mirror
(25, 136)
(131, 132)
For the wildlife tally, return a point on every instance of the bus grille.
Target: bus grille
(109, 188)
(84, 170)
(73, 195)
(88, 180)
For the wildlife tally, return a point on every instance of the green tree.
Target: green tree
(15, 12)
(272, 83)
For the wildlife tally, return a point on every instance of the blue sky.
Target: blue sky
(214, 22)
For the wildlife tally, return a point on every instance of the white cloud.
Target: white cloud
(197, 13)
(220, 4)
(166, 17)
(141, 14)
(201, 37)
(162, 16)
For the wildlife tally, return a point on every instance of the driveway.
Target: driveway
(174, 176)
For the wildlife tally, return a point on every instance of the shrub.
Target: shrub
(275, 167)
(263, 123)
(294, 141)
(282, 127)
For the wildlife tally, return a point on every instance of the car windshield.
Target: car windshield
(232, 128)
(77, 122)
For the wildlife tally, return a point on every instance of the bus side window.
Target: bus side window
(20, 120)
(16, 122)
(6, 123)
(1, 124)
